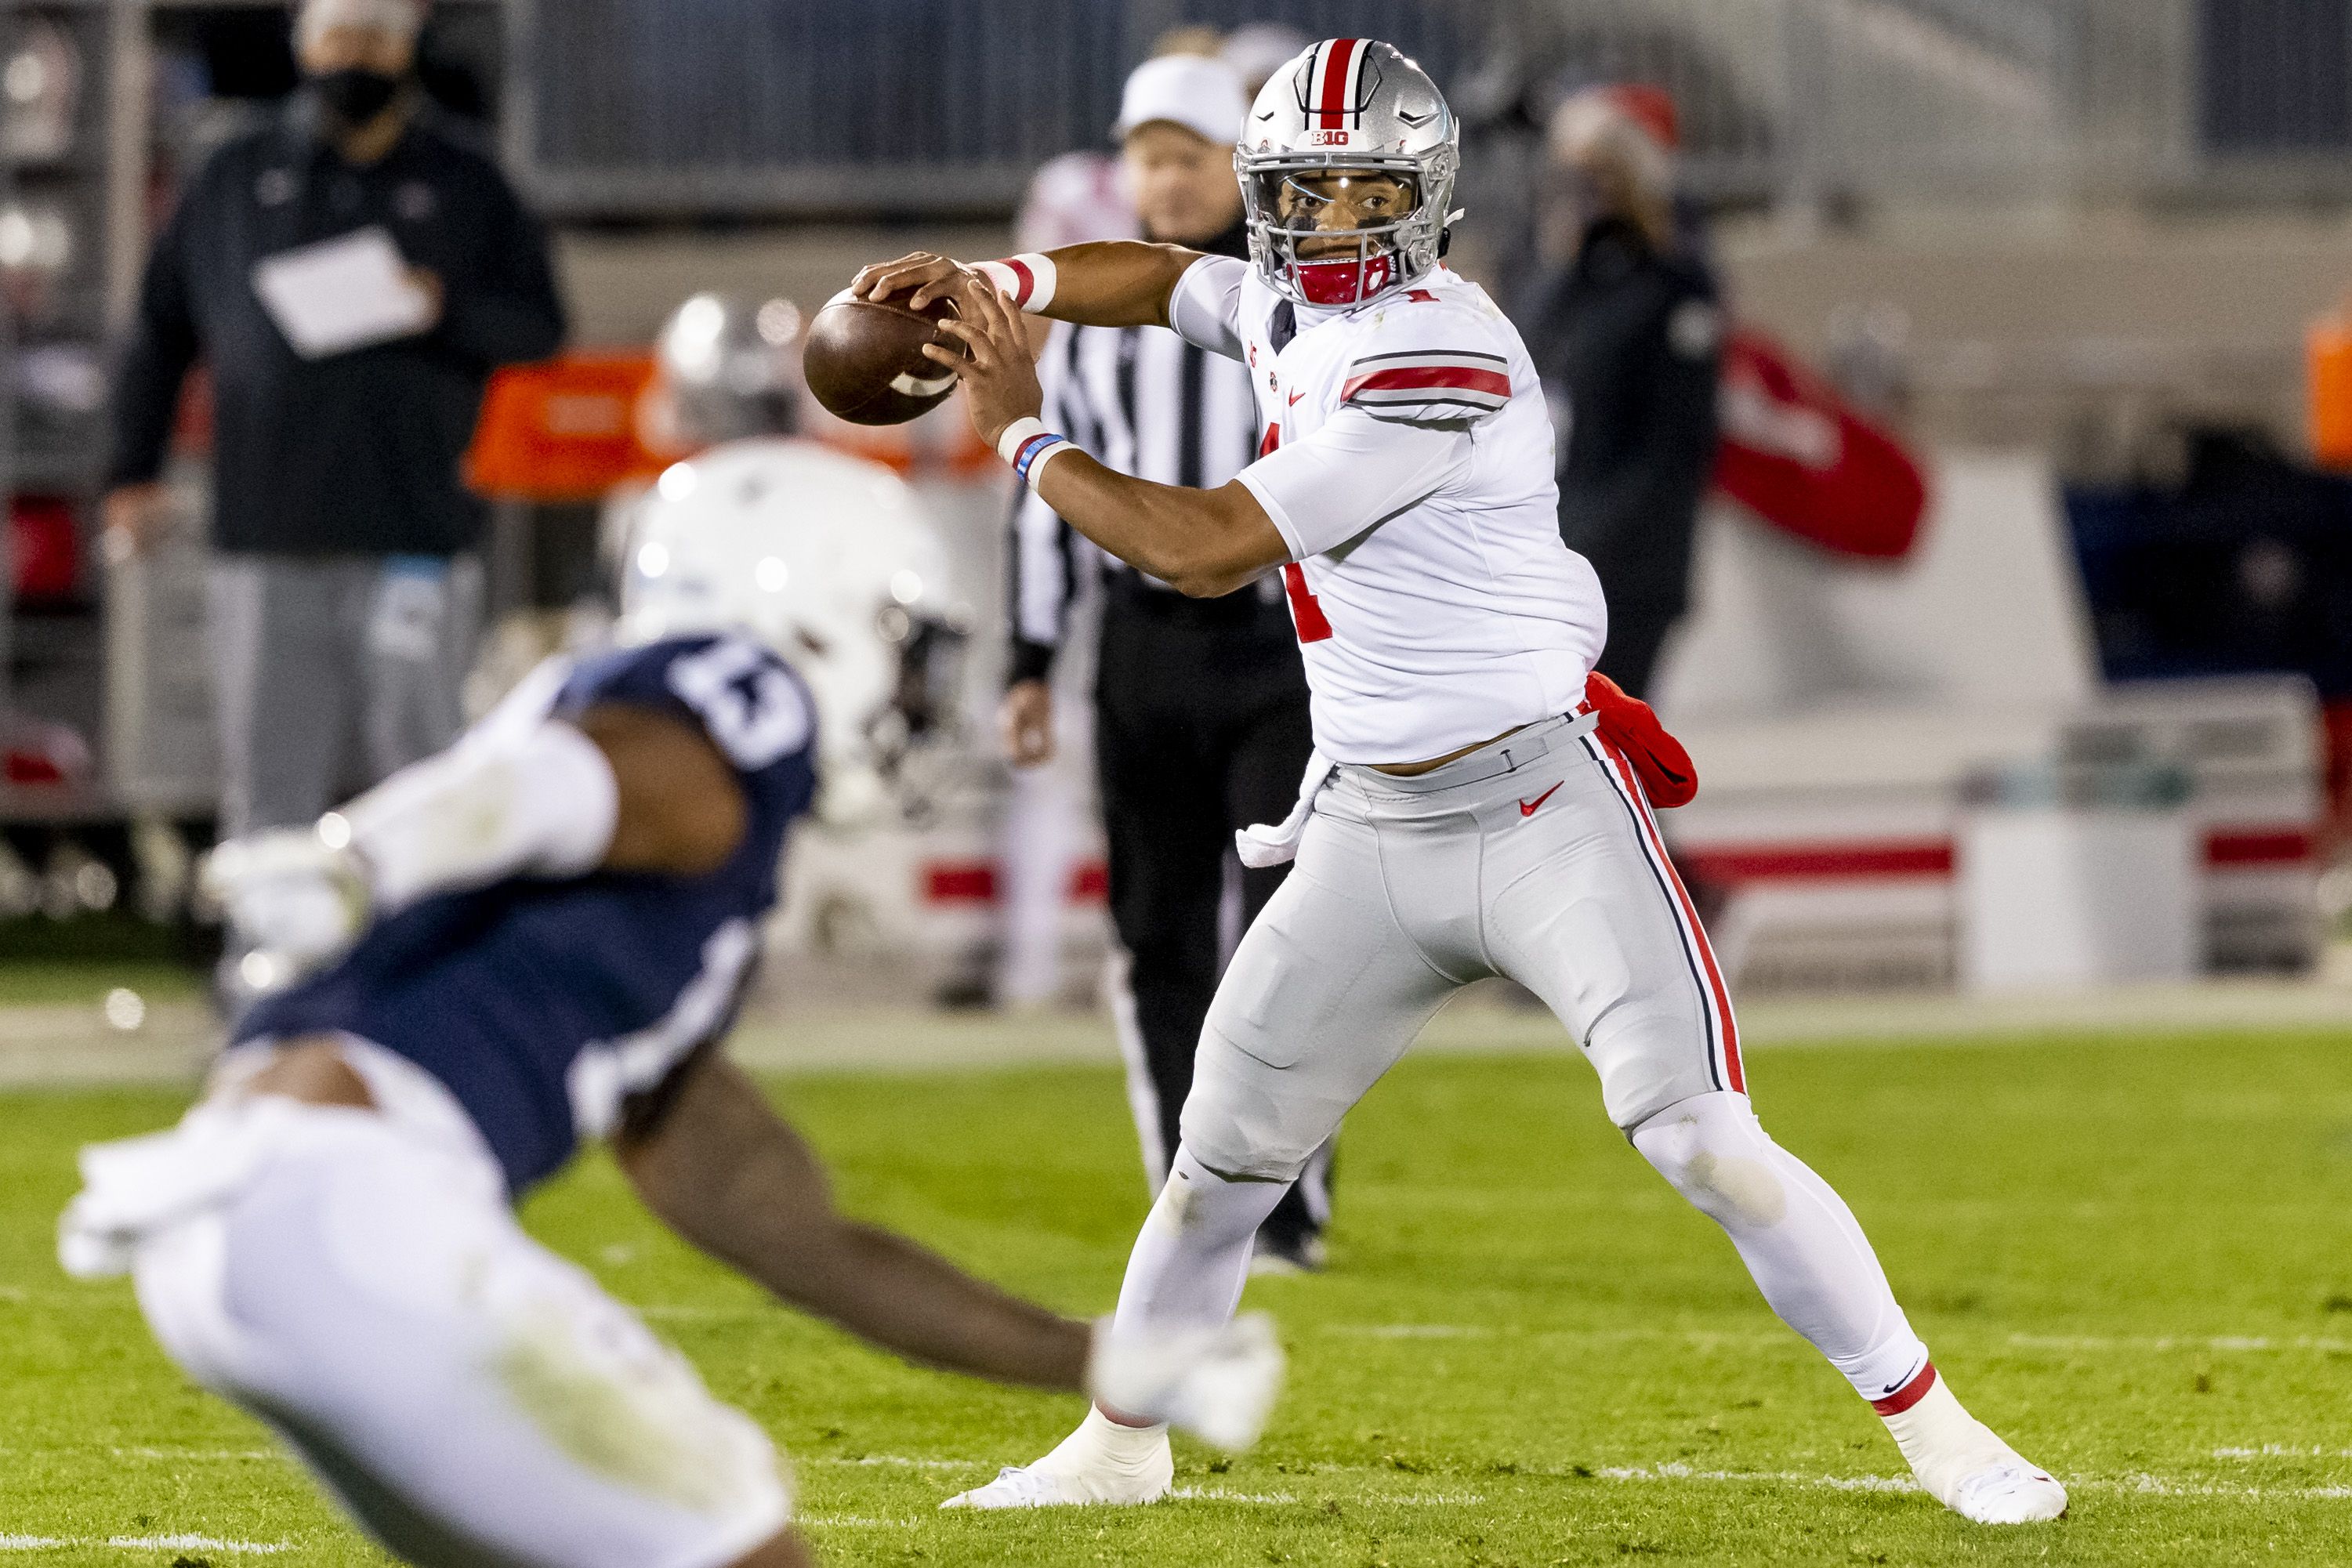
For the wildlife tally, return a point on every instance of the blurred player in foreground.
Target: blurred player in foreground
(536, 938)
(1473, 808)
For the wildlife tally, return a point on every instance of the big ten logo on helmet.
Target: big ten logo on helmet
(1327, 138)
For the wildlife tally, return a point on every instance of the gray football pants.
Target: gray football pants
(1534, 858)
(331, 673)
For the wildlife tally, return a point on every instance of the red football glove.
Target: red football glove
(1629, 728)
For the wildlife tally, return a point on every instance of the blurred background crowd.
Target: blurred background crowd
(1955, 396)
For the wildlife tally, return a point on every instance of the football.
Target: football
(864, 359)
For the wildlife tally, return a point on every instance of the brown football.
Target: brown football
(864, 359)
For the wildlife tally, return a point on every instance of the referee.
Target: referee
(1201, 722)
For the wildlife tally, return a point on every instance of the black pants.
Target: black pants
(1200, 727)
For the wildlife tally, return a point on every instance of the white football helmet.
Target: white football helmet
(730, 369)
(1347, 104)
(831, 561)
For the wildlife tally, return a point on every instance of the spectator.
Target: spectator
(1627, 332)
(345, 598)
(1257, 49)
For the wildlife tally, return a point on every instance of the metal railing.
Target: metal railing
(935, 106)
(686, 107)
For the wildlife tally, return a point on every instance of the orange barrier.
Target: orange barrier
(2327, 363)
(572, 428)
(564, 430)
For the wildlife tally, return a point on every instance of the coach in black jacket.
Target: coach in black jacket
(1627, 335)
(344, 597)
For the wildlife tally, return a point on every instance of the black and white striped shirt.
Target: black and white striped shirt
(1142, 400)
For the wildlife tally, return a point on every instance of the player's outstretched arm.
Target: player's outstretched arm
(1112, 282)
(622, 787)
(725, 1172)
(1200, 542)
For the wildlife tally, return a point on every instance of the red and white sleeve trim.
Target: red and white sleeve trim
(1467, 384)
(1026, 280)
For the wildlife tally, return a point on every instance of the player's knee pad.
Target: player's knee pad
(1212, 1207)
(1716, 1155)
(1248, 1124)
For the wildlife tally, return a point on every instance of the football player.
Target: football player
(535, 939)
(1473, 808)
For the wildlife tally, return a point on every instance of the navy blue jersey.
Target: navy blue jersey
(548, 1005)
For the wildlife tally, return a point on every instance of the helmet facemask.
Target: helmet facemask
(1288, 206)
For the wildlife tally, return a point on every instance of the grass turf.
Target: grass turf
(86, 982)
(2130, 1255)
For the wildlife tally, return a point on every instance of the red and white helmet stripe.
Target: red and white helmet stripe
(1335, 89)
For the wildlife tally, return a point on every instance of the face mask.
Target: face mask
(358, 95)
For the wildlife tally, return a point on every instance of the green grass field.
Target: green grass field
(2133, 1255)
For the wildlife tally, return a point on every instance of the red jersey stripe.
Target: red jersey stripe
(1469, 378)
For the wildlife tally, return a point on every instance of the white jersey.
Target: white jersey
(1408, 460)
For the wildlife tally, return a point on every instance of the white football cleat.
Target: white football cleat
(1101, 1462)
(1965, 1466)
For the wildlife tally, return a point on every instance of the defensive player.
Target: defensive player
(1462, 818)
(560, 913)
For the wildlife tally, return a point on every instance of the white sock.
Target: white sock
(1797, 1236)
(1101, 1443)
(1944, 1443)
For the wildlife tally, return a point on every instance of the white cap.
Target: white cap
(1257, 49)
(1201, 94)
(401, 18)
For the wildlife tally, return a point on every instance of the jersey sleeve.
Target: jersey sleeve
(1205, 308)
(755, 710)
(1356, 472)
(1430, 362)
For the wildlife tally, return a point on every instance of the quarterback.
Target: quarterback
(1475, 807)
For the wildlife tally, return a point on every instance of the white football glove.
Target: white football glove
(287, 893)
(1217, 1384)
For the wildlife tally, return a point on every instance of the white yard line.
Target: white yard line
(2228, 1345)
(901, 1461)
(2225, 1343)
(2138, 1484)
(143, 1543)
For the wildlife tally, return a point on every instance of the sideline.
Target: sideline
(54, 1045)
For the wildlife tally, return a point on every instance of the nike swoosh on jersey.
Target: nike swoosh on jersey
(1295, 397)
(1529, 810)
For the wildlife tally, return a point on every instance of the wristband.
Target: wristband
(1028, 445)
(1026, 280)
